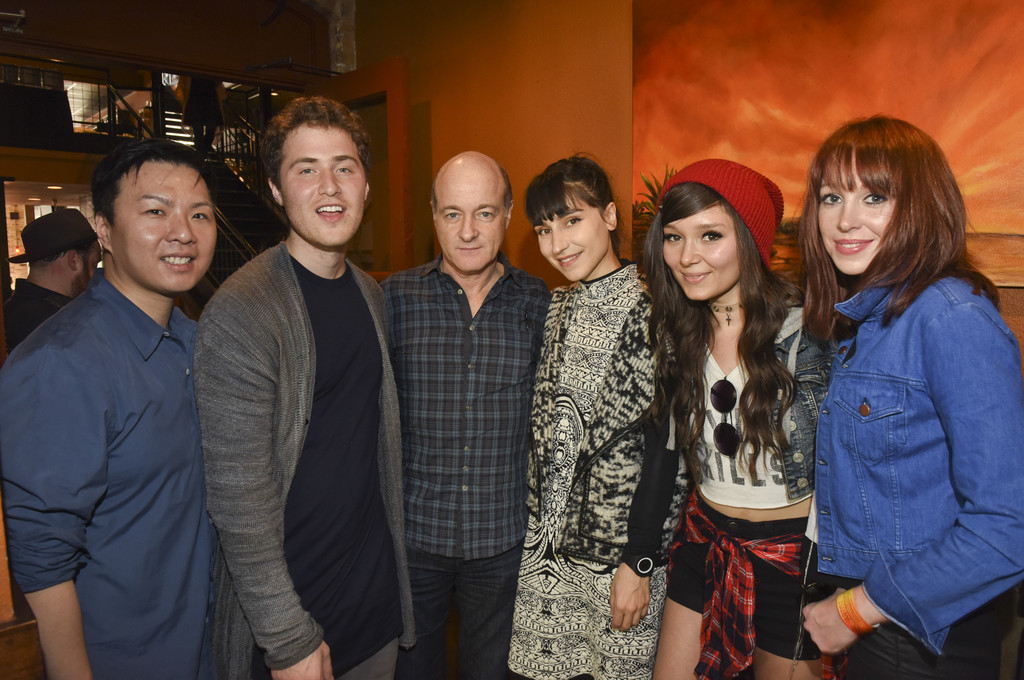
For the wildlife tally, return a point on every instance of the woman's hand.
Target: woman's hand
(826, 627)
(631, 595)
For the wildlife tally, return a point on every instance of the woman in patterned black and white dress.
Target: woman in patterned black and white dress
(591, 590)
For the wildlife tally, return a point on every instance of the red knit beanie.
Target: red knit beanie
(753, 196)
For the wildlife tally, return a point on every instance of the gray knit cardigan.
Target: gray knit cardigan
(254, 374)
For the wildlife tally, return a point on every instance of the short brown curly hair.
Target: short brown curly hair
(318, 112)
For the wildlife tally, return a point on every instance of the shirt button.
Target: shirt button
(824, 511)
(802, 483)
(465, 448)
(460, 291)
(842, 350)
(822, 461)
(472, 327)
(827, 558)
(166, 334)
(470, 367)
(824, 410)
(465, 487)
(798, 457)
(466, 468)
(468, 407)
(188, 371)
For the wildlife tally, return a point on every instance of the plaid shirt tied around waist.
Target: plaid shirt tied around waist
(727, 630)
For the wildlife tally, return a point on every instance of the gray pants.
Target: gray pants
(380, 666)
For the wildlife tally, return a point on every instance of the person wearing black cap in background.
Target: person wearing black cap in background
(62, 252)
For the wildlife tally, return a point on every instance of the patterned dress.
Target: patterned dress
(562, 622)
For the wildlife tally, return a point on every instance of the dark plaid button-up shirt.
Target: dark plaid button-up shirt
(465, 385)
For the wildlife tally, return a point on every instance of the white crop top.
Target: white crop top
(727, 480)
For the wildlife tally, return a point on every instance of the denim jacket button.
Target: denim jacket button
(802, 482)
(798, 457)
(792, 425)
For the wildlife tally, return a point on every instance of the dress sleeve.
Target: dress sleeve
(237, 374)
(53, 443)
(653, 496)
(972, 372)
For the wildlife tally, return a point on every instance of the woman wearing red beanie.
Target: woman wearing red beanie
(739, 384)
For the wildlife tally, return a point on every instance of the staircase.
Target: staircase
(247, 225)
(175, 128)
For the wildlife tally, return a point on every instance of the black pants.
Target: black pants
(971, 652)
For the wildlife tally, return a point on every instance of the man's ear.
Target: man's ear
(276, 193)
(508, 214)
(74, 260)
(103, 232)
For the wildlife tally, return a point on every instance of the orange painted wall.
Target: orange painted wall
(525, 81)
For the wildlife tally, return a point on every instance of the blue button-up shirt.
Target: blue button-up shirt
(920, 458)
(103, 482)
(465, 384)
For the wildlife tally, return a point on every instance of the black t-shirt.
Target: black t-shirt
(337, 543)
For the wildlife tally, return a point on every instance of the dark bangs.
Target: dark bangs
(549, 197)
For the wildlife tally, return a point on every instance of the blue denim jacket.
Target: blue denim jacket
(921, 458)
(812, 361)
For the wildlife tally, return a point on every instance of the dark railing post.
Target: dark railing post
(157, 79)
(5, 267)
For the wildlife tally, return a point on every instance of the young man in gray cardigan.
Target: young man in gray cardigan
(300, 426)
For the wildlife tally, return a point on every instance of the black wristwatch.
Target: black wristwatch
(643, 566)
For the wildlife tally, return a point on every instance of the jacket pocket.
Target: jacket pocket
(875, 426)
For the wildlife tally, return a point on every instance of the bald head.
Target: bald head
(472, 162)
(472, 201)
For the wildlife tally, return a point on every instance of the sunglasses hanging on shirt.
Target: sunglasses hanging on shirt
(723, 400)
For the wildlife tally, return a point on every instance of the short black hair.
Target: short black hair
(129, 157)
(570, 184)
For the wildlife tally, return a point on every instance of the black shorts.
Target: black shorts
(777, 595)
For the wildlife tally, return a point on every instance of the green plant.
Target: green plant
(645, 208)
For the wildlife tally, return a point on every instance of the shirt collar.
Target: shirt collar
(866, 303)
(144, 333)
(26, 287)
(508, 269)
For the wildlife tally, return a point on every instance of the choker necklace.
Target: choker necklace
(728, 311)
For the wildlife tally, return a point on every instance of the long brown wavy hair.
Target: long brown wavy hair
(681, 331)
(925, 241)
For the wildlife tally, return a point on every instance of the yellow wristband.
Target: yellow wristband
(850, 616)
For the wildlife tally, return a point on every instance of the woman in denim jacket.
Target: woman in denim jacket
(921, 438)
(740, 384)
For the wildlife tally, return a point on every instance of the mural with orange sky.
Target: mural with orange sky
(764, 82)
